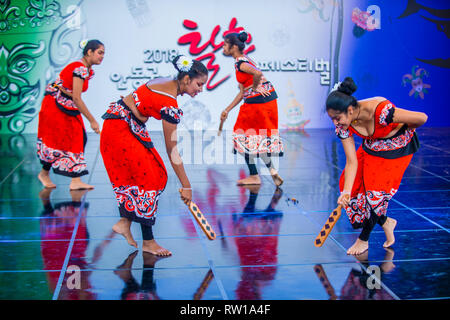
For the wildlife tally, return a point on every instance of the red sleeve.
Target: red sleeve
(341, 133)
(385, 113)
(75, 69)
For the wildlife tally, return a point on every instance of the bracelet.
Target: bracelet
(345, 192)
(186, 188)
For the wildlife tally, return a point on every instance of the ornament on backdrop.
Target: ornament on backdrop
(37, 39)
(415, 79)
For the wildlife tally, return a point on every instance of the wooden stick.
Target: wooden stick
(220, 127)
(201, 220)
(328, 226)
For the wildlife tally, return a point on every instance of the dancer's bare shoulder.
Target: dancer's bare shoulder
(373, 100)
(369, 105)
(166, 85)
(158, 82)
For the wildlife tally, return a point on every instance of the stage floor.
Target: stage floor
(59, 245)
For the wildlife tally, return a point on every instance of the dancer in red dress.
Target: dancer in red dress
(135, 169)
(255, 133)
(373, 173)
(61, 133)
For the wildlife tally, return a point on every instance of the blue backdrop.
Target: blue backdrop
(411, 47)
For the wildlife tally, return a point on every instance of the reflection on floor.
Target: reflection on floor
(57, 244)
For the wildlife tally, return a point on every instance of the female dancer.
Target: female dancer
(373, 173)
(135, 169)
(255, 133)
(61, 133)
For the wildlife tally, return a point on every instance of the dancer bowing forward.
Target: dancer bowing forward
(372, 173)
(255, 133)
(61, 133)
(135, 169)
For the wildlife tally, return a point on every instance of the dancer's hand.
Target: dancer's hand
(224, 115)
(344, 198)
(95, 126)
(186, 195)
(262, 91)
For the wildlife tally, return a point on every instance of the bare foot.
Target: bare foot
(358, 247)
(44, 178)
(388, 228)
(252, 179)
(124, 270)
(122, 227)
(276, 177)
(77, 184)
(151, 246)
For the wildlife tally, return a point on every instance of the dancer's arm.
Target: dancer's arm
(411, 118)
(76, 97)
(233, 103)
(351, 166)
(257, 78)
(170, 137)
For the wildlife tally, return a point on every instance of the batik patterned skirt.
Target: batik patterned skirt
(135, 169)
(256, 129)
(61, 139)
(377, 181)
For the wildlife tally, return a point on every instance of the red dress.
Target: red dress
(256, 129)
(381, 165)
(135, 169)
(61, 133)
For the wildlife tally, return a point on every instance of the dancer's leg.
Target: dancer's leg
(122, 227)
(149, 244)
(44, 176)
(273, 172)
(388, 225)
(254, 176)
(362, 243)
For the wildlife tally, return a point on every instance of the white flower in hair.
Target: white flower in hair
(336, 86)
(83, 43)
(184, 64)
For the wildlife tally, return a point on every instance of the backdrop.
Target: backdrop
(396, 49)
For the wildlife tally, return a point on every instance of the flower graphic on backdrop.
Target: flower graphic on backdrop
(418, 87)
(365, 20)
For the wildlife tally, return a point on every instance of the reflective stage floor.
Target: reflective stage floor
(59, 244)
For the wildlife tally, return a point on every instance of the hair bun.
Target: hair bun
(243, 36)
(347, 86)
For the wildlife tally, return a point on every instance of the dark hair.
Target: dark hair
(92, 45)
(197, 69)
(341, 98)
(237, 39)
